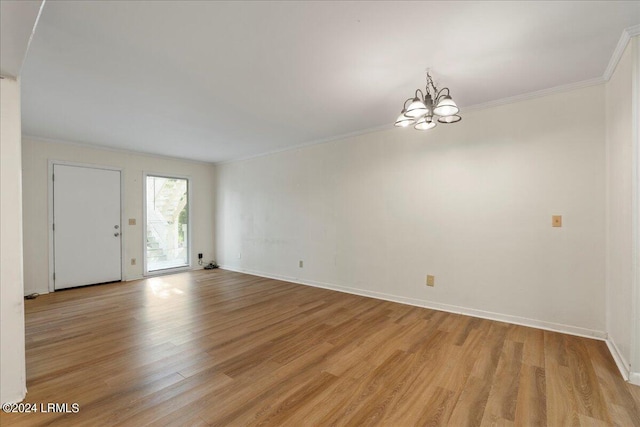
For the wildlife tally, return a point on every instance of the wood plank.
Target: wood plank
(531, 408)
(562, 406)
(503, 397)
(585, 382)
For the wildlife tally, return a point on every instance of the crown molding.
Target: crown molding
(625, 37)
(308, 143)
(33, 33)
(112, 149)
(475, 107)
(633, 31)
(536, 94)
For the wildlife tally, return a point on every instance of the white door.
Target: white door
(86, 226)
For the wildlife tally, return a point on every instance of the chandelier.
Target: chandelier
(421, 111)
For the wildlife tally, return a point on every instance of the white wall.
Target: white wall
(36, 154)
(12, 362)
(470, 203)
(619, 161)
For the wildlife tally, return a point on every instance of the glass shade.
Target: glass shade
(450, 119)
(416, 108)
(404, 121)
(425, 123)
(446, 107)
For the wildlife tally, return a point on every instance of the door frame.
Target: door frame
(51, 164)
(187, 267)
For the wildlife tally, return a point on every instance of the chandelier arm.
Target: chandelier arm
(440, 93)
(405, 103)
(418, 90)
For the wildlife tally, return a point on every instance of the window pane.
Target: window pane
(167, 223)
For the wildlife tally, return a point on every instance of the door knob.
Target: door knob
(116, 226)
(116, 234)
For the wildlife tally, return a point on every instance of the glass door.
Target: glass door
(166, 223)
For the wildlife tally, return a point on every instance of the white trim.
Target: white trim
(616, 55)
(51, 284)
(144, 223)
(33, 32)
(51, 164)
(309, 143)
(621, 362)
(633, 30)
(189, 266)
(507, 318)
(537, 94)
(112, 149)
(624, 39)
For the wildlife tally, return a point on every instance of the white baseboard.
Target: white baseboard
(523, 321)
(620, 360)
(634, 378)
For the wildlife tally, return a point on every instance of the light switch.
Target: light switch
(556, 221)
(132, 221)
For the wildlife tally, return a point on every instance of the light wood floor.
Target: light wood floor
(223, 348)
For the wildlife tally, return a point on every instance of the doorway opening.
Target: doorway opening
(167, 224)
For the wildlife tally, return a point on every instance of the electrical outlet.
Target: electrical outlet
(239, 255)
(133, 261)
(199, 256)
(556, 221)
(132, 221)
(431, 280)
(300, 263)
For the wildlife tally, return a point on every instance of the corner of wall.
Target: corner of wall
(634, 377)
(12, 338)
(623, 205)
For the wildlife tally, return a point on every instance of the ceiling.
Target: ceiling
(217, 81)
